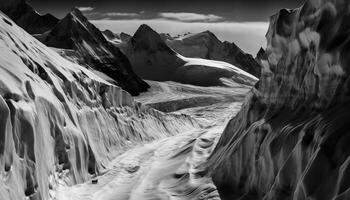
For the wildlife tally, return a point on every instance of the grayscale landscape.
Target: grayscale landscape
(174, 100)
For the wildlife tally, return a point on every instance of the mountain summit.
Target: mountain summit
(92, 49)
(26, 17)
(207, 46)
(152, 59)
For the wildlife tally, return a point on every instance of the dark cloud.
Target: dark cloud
(237, 10)
(190, 17)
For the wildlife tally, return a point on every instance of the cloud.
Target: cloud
(189, 17)
(249, 36)
(86, 9)
(120, 14)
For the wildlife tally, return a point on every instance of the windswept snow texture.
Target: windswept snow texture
(26, 17)
(291, 138)
(206, 45)
(152, 59)
(60, 123)
(172, 96)
(86, 45)
(169, 168)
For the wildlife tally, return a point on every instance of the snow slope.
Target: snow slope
(152, 59)
(172, 96)
(207, 46)
(169, 168)
(60, 124)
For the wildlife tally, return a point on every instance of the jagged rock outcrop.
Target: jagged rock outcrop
(110, 35)
(90, 48)
(261, 55)
(206, 45)
(151, 58)
(26, 17)
(124, 37)
(290, 140)
(113, 37)
(60, 123)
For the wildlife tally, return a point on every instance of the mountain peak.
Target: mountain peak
(145, 30)
(75, 11)
(27, 17)
(77, 14)
(74, 27)
(146, 38)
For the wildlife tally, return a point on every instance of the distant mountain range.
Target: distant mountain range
(206, 45)
(153, 59)
(202, 45)
(91, 49)
(199, 59)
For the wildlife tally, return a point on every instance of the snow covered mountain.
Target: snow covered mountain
(60, 123)
(151, 58)
(26, 17)
(207, 46)
(291, 138)
(77, 39)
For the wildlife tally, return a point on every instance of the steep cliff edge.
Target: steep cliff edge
(60, 124)
(290, 140)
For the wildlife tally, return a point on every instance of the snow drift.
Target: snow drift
(290, 140)
(60, 123)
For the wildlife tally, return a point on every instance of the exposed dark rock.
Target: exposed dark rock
(290, 140)
(26, 17)
(152, 59)
(75, 32)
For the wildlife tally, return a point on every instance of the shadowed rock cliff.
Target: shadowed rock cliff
(290, 140)
(90, 48)
(26, 17)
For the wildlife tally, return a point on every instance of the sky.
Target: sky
(244, 22)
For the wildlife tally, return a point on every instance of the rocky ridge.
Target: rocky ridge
(289, 141)
(93, 50)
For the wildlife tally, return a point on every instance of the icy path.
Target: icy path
(161, 169)
(171, 168)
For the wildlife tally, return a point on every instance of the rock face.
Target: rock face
(261, 55)
(206, 45)
(113, 37)
(152, 59)
(26, 17)
(90, 48)
(290, 140)
(124, 37)
(60, 123)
